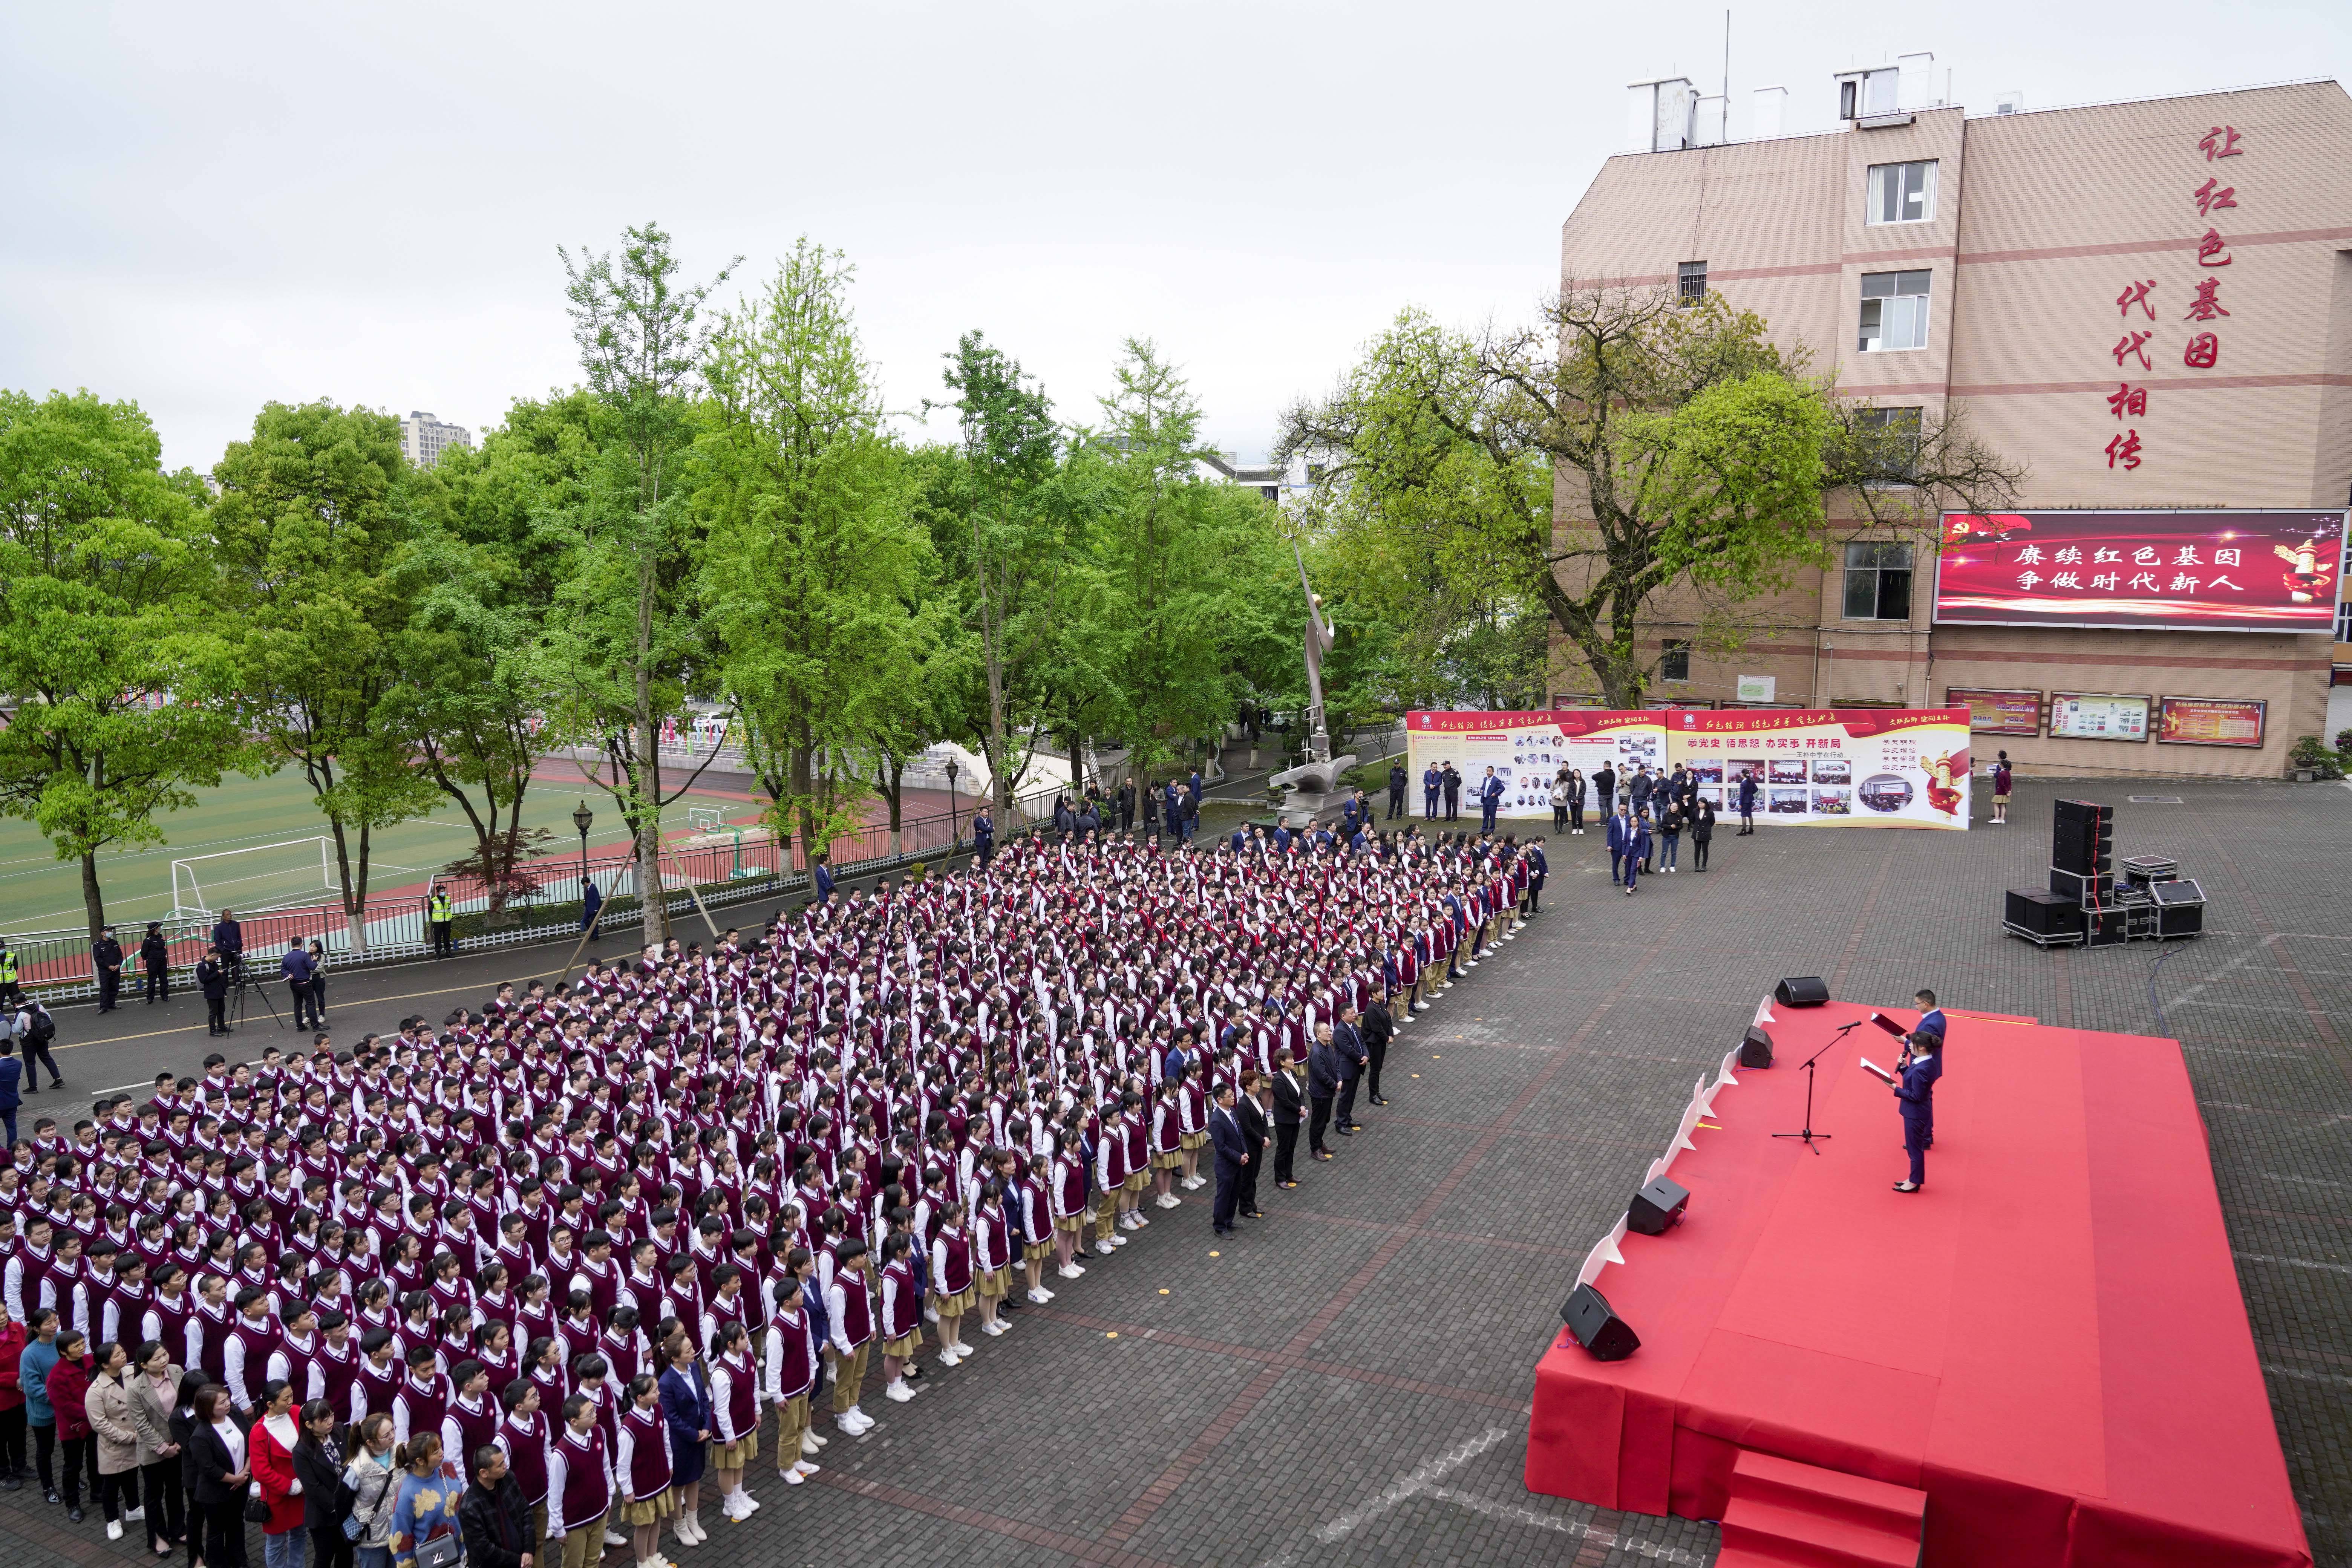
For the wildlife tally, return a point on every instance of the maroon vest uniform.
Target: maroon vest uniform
(426, 1405)
(857, 1325)
(645, 1295)
(649, 1468)
(742, 1394)
(171, 1321)
(587, 1493)
(338, 1369)
(956, 1278)
(622, 1357)
(258, 1339)
(379, 1387)
(603, 1288)
(790, 1335)
(215, 1351)
(476, 1429)
(906, 1303)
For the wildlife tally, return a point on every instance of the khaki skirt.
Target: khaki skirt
(905, 1345)
(1135, 1182)
(1033, 1250)
(1191, 1140)
(1071, 1224)
(1171, 1160)
(734, 1456)
(650, 1510)
(957, 1305)
(991, 1283)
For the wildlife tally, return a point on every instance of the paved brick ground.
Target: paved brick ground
(1348, 1381)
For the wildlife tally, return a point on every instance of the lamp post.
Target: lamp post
(582, 818)
(955, 832)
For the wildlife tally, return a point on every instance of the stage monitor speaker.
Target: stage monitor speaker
(1658, 1207)
(1801, 990)
(2085, 814)
(1597, 1327)
(1756, 1049)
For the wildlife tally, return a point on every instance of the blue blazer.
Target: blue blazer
(12, 1073)
(1225, 1137)
(1621, 832)
(685, 1404)
(1917, 1089)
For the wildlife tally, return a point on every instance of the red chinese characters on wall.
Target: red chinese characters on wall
(2207, 305)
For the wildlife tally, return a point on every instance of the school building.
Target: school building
(2147, 303)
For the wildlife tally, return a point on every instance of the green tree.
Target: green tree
(106, 631)
(313, 519)
(1003, 523)
(814, 568)
(623, 645)
(1623, 448)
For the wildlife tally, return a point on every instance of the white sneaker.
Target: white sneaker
(1038, 1297)
(993, 1329)
(135, 1515)
(115, 1530)
(729, 1510)
(1170, 1201)
(745, 1504)
(949, 1358)
(804, 1468)
(614, 1538)
(854, 1421)
(899, 1391)
(931, 1314)
(1070, 1270)
(791, 1478)
(1116, 1239)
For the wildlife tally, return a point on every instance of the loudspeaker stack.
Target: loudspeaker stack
(2086, 904)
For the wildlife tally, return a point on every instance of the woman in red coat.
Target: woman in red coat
(270, 1449)
(69, 1390)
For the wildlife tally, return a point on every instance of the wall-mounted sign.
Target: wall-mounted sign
(2189, 571)
(2092, 715)
(1758, 688)
(2209, 721)
(1993, 712)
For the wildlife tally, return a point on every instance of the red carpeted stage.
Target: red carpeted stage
(2048, 1341)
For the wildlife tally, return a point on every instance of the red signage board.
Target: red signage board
(2209, 722)
(1993, 712)
(2189, 570)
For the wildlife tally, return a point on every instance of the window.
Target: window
(1894, 310)
(1692, 282)
(1877, 582)
(1315, 472)
(1889, 443)
(1271, 492)
(1674, 664)
(1902, 193)
(2344, 623)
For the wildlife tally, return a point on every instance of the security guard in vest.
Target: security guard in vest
(438, 914)
(8, 991)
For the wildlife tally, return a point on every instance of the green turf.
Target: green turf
(40, 892)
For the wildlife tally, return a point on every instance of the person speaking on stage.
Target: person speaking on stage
(1917, 1091)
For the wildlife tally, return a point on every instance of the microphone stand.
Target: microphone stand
(1809, 1135)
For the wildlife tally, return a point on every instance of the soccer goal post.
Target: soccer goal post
(257, 877)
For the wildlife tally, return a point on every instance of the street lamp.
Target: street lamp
(955, 833)
(582, 818)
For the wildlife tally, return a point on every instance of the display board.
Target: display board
(1860, 766)
(1993, 712)
(2232, 571)
(2097, 716)
(2209, 721)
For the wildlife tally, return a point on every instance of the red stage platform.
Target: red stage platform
(2048, 1341)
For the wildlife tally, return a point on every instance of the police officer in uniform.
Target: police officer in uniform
(9, 994)
(106, 961)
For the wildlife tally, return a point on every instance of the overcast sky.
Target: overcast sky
(209, 207)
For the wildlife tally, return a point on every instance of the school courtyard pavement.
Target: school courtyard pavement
(1347, 1380)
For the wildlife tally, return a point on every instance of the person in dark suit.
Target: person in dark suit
(1916, 1091)
(1249, 1110)
(1620, 834)
(1348, 1039)
(1126, 805)
(1378, 1028)
(221, 1479)
(1604, 788)
(228, 939)
(1702, 832)
(295, 965)
(212, 979)
(824, 878)
(1746, 804)
(1431, 781)
(1452, 794)
(1539, 868)
(12, 1075)
(1290, 1111)
(106, 961)
(1323, 1073)
(1397, 782)
(1637, 847)
(1233, 1154)
(155, 959)
(983, 836)
(1932, 1022)
(1490, 800)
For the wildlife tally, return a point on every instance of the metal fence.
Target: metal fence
(738, 866)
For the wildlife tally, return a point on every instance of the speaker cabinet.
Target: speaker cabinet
(1756, 1049)
(1658, 1207)
(2084, 813)
(2043, 912)
(1597, 1327)
(1801, 990)
(2080, 886)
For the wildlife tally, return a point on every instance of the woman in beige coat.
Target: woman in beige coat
(109, 1408)
(154, 1385)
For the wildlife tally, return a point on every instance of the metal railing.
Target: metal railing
(744, 864)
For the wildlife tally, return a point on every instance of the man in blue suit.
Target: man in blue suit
(823, 875)
(1490, 796)
(1232, 1154)
(1632, 844)
(1916, 1091)
(1621, 834)
(1432, 781)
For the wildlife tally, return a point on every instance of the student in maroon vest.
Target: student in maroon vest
(792, 1368)
(849, 1312)
(544, 1365)
(579, 1485)
(470, 1419)
(900, 1316)
(525, 1437)
(422, 1399)
(735, 1410)
(494, 1348)
(169, 1309)
(337, 1361)
(952, 1281)
(641, 1469)
(251, 1338)
(375, 1381)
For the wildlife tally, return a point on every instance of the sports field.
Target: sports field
(40, 892)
